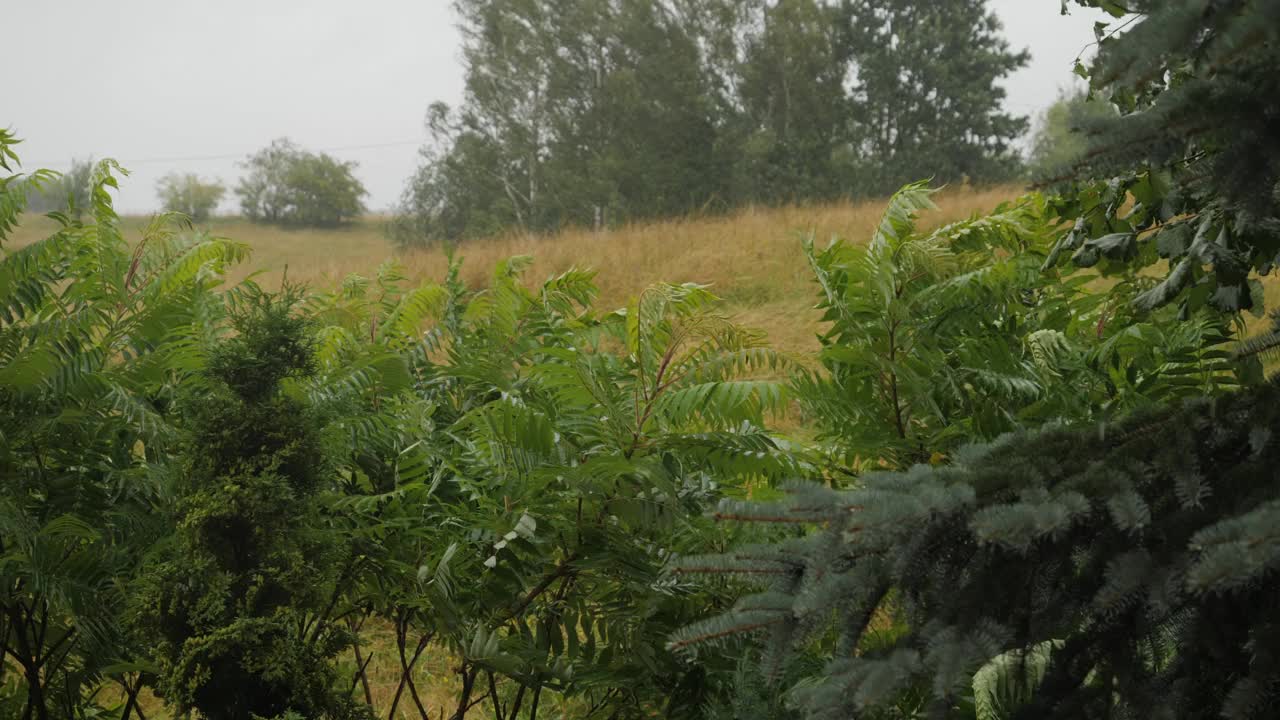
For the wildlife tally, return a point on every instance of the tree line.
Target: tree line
(284, 184)
(595, 112)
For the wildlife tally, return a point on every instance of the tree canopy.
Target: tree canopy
(288, 185)
(593, 112)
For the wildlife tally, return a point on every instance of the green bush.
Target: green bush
(291, 186)
(90, 329)
(237, 600)
(941, 338)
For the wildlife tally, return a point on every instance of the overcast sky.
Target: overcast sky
(164, 85)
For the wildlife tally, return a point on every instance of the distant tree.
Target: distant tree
(575, 112)
(926, 96)
(1059, 138)
(643, 142)
(187, 193)
(456, 192)
(69, 192)
(594, 112)
(791, 82)
(291, 186)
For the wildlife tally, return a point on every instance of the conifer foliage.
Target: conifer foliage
(1193, 147)
(239, 600)
(1139, 557)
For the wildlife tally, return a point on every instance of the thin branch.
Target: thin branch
(564, 568)
(725, 633)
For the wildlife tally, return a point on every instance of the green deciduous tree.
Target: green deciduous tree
(575, 112)
(188, 194)
(1058, 138)
(937, 338)
(291, 186)
(595, 112)
(69, 192)
(926, 98)
(523, 511)
(795, 111)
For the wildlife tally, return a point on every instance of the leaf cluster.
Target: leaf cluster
(937, 338)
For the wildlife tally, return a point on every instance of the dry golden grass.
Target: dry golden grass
(751, 258)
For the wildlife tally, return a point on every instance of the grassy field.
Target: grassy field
(751, 258)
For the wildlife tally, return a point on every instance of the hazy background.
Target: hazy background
(164, 85)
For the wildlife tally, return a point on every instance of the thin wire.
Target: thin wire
(233, 156)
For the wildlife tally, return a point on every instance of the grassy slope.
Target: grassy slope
(751, 258)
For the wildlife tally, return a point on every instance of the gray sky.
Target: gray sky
(164, 85)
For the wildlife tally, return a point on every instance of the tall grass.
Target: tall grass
(751, 257)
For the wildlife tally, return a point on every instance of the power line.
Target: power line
(237, 156)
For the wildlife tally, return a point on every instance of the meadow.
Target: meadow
(751, 258)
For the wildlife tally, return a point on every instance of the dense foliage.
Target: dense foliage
(288, 185)
(1120, 567)
(521, 505)
(1135, 570)
(597, 112)
(940, 338)
(1122, 544)
(238, 602)
(1033, 488)
(87, 364)
(216, 495)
